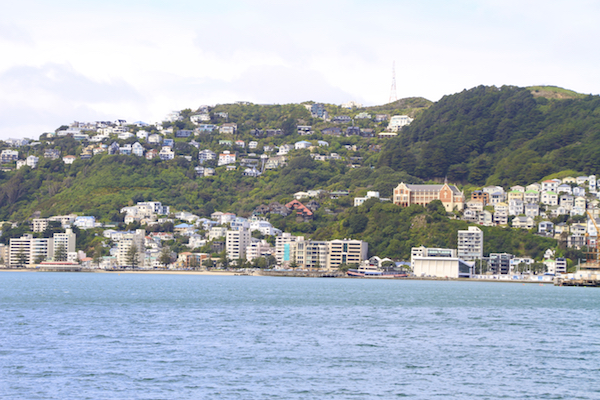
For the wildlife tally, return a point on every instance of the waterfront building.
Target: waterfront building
(127, 241)
(346, 251)
(470, 244)
(236, 243)
(27, 250)
(437, 262)
(499, 263)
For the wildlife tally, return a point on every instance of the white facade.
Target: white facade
(470, 243)
(236, 243)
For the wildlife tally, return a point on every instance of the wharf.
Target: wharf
(577, 282)
(305, 274)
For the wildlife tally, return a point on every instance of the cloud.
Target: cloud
(42, 97)
(12, 33)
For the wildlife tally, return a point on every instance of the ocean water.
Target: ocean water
(136, 336)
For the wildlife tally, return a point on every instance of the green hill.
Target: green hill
(499, 136)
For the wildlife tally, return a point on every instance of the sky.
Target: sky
(84, 60)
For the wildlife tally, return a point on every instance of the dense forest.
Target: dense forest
(500, 136)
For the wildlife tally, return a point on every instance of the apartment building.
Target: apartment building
(236, 243)
(470, 244)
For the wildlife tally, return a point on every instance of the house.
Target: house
(32, 161)
(285, 149)
(69, 159)
(516, 207)
(303, 144)
(142, 135)
(184, 133)
(549, 198)
(300, 208)
(304, 130)
(137, 149)
(408, 194)
(275, 162)
(501, 213)
(342, 119)
(397, 122)
(531, 196)
(198, 118)
(206, 128)
(550, 185)
(546, 228)
(532, 209)
(166, 153)
(240, 143)
(334, 131)
(481, 197)
(523, 222)
(206, 155)
(370, 195)
(228, 128)
(52, 154)
(226, 158)
(317, 110)
(150, 154)
(252, 145)
(363, 115)
(155, 138)
(486, 218)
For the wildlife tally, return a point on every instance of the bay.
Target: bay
(143, 336)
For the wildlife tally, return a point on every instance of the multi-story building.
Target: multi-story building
(283, 249)
(39, 224)
(128, 240)
(258, 248)
(407, 194)
(27, 250)
(236, 243)
(346, 251)
(310, 254)
(470, 244)
(65, 241)
(499, 263)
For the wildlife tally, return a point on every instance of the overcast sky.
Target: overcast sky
(67, 60)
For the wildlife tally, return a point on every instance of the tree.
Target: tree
(165, 256)
(61, 253)
(97, 258)
(22, 258)
(131, 257)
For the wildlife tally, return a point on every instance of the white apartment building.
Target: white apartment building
(283, 252)
(346, 251)
(128, 240)
(236, 243)
(258, 248)
(470, 244)
(65, 240)
(26, 250)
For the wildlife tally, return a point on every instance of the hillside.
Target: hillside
(485, 135)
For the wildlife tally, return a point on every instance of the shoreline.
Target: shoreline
(234, 273)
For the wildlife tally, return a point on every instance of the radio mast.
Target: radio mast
(393, 96)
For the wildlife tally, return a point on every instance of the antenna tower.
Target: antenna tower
(393, 96)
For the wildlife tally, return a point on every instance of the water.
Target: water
(110, 336)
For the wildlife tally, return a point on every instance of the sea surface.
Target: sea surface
(139, 336)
